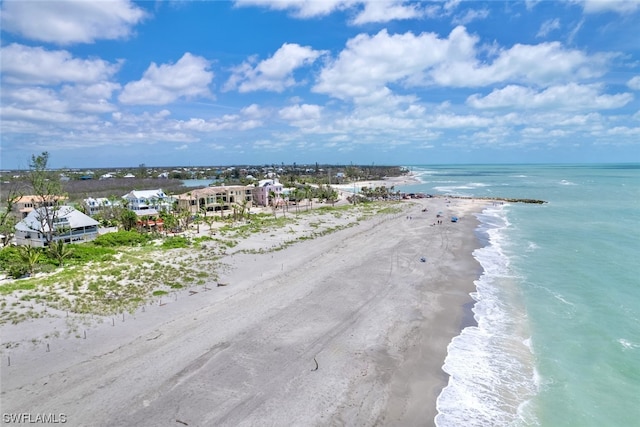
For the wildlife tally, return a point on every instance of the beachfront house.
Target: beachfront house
(141, 200)
(265, 189)
(217, 198)
(69, 225)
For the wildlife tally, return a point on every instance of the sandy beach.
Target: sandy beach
(349, 328)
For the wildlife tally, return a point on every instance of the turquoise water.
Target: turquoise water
(558, 306)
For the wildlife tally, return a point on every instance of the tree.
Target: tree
(47, 190)
(128, 219)
(7, 219)
(30, 256)
(60, 251)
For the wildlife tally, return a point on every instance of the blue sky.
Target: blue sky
(120, 83)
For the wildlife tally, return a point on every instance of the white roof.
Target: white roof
(145, 194)
(74, 219)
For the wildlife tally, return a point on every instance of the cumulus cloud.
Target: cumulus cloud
(70, 21)
(564, 97)
(275, 73)
(301, 114)
(371, 65)
(35, 65)
(543, 64)
(165, 83)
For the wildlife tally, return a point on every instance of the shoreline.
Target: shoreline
(358, 302)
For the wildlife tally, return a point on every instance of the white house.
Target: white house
(70, 225)
(139, 200)
(96, 205)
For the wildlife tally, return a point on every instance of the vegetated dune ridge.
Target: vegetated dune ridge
(350, 328)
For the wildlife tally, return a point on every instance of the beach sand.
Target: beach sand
(350, 328)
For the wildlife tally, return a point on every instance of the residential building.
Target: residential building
(216, 198)
(69, 225)
(26, 204)
(93, 206)
(140, 200)
(261, 193)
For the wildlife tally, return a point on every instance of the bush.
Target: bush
(121, 238)
(176, 242)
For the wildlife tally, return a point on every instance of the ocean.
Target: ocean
(557, 339)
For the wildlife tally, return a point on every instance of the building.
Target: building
(69, 225)
(94, 206)
(140, 200)
(217, 198)
(26, 204)
(261, 193)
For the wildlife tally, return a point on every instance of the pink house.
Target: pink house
(264, 188)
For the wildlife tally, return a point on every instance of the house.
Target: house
(139, 200)
(69, 225)
(93, 206)
(216, 198)
(261, 193)
(26, 204)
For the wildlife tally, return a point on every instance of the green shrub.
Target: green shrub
(121, 238)
(176, 242)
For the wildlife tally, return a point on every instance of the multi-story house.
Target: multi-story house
(141, 200)
(26, 204)
(264, 191)
(219, 198)
(69, 225)
(93, 206)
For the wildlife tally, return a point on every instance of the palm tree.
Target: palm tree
(272, 202)
(60, 251)
(30, 256)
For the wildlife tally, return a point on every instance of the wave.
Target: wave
(491, 371)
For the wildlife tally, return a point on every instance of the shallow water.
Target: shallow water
(557, 341)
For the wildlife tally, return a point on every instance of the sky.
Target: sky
(116, 83)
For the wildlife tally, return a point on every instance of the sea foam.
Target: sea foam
(490, 366)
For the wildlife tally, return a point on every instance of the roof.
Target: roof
(146, 194)
(74, 219)
(37, 199)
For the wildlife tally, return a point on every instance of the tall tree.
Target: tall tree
(47, 189)
(7, 219)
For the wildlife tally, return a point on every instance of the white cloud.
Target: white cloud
(386, 11)
(548, 26)
(634, 83)
(299, 113)
(369, 63)
(254, 111)
(368, 11)
(301, 8)
(163, 84)
(617, 6)
(542, 64)
(566, 97)
(275, 73)
(66, 22)
(35, 65)
(373, 69)
(470, 16)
